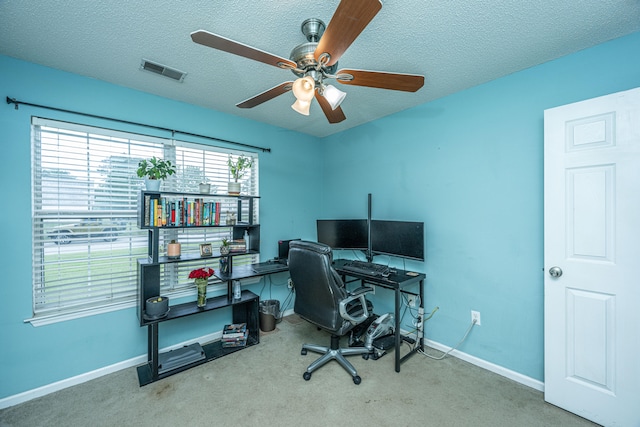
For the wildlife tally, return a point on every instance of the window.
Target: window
(84, 199)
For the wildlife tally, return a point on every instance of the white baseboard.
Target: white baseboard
(507, 373)
(69, 382)
(88, 376)
(139, 360)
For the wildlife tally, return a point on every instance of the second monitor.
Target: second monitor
(344, 233)
(396, 238)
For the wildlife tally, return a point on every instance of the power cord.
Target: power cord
(418, 323)
(288, 299)
(451, 349)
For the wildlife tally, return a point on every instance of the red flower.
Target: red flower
(201, 273)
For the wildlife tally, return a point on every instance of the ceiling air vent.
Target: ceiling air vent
(163, 70)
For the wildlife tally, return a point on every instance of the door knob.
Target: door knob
(555, 272)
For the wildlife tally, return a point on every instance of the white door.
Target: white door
(592, 246)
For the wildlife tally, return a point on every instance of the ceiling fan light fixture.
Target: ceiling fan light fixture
(334, 96)
(303, 88)
(302, 107)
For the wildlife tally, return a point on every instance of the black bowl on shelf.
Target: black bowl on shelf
(156, 307)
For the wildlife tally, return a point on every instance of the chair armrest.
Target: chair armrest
(356, 294)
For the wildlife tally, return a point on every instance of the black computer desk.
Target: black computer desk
(400, 281)
(239, 272)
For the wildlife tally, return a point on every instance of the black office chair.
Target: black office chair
(321, 298)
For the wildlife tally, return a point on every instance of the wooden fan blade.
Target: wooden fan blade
(215, 41)
(381, 79)
(266, 95)
(334, 116)
(348, 21)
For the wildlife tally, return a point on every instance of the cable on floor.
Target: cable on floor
(451, 349)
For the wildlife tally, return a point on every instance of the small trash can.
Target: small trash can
(269, 314)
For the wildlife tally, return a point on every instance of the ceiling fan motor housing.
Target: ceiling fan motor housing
(312, 28)
(303, 54)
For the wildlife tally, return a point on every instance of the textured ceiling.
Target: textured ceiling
(455, 44)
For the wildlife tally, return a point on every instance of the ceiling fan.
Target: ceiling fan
(316, 61)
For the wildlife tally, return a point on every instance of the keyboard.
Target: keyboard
(366, 268)
(267, 267)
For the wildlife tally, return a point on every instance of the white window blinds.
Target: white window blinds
(84, 199)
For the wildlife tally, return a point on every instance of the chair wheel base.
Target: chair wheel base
(357, 380)
(307, 376)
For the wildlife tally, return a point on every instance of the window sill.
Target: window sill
(52, 318)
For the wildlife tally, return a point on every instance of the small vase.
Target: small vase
(173, 250)
(204, 188)
(201, 284)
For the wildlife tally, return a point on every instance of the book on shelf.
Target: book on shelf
(216, 214)
(235, 339)
(180, 212)
(238, 245)
(236, 342)
(234, 330)
(227, 345)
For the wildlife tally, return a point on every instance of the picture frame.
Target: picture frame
(205, 249)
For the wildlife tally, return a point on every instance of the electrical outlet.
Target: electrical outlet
(475, 317)
(290, 284)
(411, 299)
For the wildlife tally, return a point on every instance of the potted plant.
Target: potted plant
(224, 248)
(153, 170)
(238, 169)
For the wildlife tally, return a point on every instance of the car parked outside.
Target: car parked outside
(86, 228)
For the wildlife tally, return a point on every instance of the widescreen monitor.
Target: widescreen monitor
(343, 233)
(398, 238)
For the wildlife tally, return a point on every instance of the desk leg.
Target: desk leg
(398, 334)
(420, 343)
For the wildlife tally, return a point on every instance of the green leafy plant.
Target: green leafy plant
(239, 167)
(224, 247)
(155, 168)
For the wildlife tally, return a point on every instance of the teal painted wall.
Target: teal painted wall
(471, 167)
(32, 357)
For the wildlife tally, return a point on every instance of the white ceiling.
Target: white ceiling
(455, 44)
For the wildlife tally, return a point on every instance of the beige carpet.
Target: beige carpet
(263, 386)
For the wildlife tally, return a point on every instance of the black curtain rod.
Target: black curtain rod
(173, 131)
